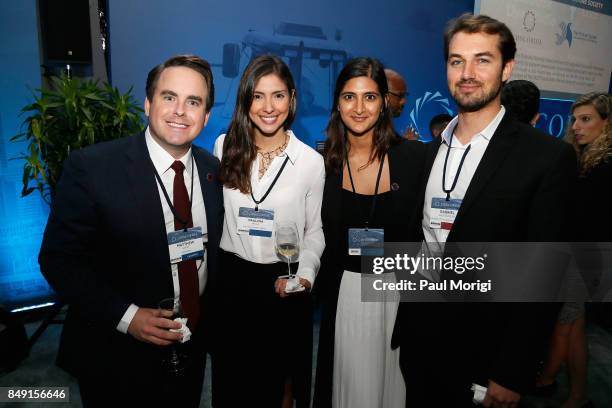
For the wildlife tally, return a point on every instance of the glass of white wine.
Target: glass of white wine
(287, 244)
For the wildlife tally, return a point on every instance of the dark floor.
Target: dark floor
(38, 369)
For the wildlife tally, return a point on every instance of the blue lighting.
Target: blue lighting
(25, 309)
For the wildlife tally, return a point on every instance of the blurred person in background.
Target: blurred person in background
(521, 98)
(590, 134)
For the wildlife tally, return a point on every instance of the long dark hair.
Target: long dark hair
(239, 148)
(335, 145)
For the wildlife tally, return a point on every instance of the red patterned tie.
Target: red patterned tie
(188, 274)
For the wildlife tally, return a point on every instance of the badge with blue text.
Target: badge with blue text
(366, 242)
(258, 223)
(185, 245)
(442, 213)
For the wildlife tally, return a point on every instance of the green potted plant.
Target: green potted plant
(73, 114)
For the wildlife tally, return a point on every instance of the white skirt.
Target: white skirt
(366, 369)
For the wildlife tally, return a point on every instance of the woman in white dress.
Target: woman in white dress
(270, 177)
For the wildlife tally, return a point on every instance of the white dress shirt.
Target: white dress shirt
(435, 238)
(295, 197)
(162, 161)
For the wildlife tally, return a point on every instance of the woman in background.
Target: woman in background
(591, 135)
(371, 184)
(263, 356)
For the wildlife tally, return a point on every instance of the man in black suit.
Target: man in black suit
(507, 182)
(107, 248)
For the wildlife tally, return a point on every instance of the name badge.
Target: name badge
(442, 213)
(258, 223)
(185, 245)
(366, 242)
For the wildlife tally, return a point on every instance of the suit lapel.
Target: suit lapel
(143, 187)
(396, 177)
(501, 143)
(431, 153)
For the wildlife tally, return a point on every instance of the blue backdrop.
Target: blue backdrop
(315, 38)
(21, 220)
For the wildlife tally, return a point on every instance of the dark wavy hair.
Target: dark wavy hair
(239, 149)
(336, 146)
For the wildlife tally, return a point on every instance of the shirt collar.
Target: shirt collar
(293, 147)
(487, 132)
(162, 160)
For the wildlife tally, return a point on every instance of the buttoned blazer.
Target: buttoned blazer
(105, 247)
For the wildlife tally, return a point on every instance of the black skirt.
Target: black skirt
(261, 340)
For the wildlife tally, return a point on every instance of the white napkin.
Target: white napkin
(184, 330)
(479, 393)
(294, 285)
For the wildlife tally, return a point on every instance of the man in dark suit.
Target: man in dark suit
(506, 182)
(107, 248)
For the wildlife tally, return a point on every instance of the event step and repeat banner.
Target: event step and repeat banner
(563, 46)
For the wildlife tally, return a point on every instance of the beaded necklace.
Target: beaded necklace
(266, 158)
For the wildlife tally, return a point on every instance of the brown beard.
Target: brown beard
(479, 103)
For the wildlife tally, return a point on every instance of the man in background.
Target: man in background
(397, 100)
(397, 92)
(521, 99)
(438, 123)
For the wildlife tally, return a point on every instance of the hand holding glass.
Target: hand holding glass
(174, 362)
(287, 245)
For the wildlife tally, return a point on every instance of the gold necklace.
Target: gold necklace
(268, 157)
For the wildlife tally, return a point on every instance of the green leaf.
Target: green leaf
(70, 115)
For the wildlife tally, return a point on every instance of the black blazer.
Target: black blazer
(522, 191)
(406, 160)
(105, 247)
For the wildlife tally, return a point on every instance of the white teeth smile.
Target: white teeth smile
(268, 119)
(177, 125)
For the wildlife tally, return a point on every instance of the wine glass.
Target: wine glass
(174, 361)
(287, 244)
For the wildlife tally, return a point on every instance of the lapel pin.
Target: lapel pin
(394, 186)
(209, 177)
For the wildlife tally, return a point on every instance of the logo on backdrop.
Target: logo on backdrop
(529, 21)
(571, 35)
(426, 107)
(565, 34)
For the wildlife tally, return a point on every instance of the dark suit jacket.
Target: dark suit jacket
(521, 192)
(406, 159)
(105, 247)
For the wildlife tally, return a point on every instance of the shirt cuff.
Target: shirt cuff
(127, 318)
(308, 274)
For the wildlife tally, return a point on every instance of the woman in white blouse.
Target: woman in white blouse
(269, 177)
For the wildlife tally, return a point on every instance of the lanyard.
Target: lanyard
(159, 180)
(271, 185)
(448, 192)
(373, 207)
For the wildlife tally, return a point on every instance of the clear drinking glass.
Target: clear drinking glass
(287, 244)
(174, 361)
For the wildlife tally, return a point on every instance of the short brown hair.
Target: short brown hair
(194, 62)
(469, 23)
